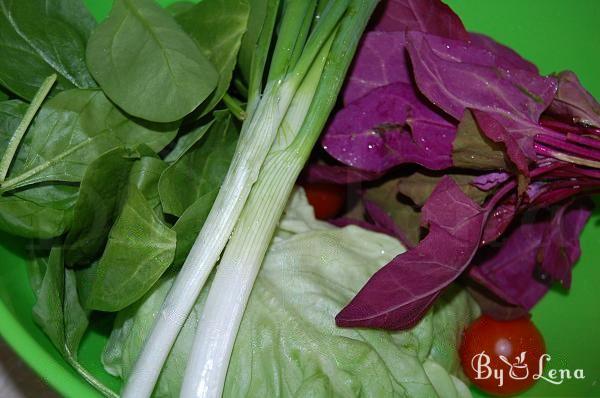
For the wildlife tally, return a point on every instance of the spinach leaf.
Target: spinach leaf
(42, 211)
(102, 192)
(185, 142)
(201, 169)
(145, 175)
(179, 7)
(57, 196)
(42, 37)
(140, 249)
(75, 128)
(98, 205)
(59, 313)
(190, 223)
(57, 309)
(146, 63)
(218, 27)
(30, 220)
(3, 95)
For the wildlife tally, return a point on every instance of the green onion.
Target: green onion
(277, 137)
(237, 271)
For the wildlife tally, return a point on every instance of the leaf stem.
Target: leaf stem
(240, 87)
(15, 140)
(83, 372)
(235, 107)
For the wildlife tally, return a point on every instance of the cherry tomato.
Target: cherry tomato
(492, 354)
(327, 199)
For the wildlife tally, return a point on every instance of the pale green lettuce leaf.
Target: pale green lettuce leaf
(288, 344)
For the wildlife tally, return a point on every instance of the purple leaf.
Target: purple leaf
(345, 221)
(499, 220)
(490, 181)
(457, 75)
(494, 306)
(324, 173)
(431, 16)
(560, 245)
(511, 269)
(402, 291)
(387, 127)
(510, 272)
(381, 60)
(574, 103)
(505, 56)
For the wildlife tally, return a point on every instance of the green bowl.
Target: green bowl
(556, 35)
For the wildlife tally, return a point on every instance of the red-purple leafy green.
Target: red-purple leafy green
(380, 60)
(504, 56)
(458, 75)
(336, 174)
(390, 126)
(521, 268)
(458, 133)
(573, 102)
(434, 17)
(398, 294)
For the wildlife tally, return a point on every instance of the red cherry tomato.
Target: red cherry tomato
(492, 354)
(327, 199)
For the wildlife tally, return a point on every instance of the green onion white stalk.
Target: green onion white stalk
(257, 136)
(207, 365)
(237, 271)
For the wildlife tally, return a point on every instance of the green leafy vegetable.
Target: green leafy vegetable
(15, 140)
(75, 128)
(218, 27)
(41, 211)
(185, 142)
(59, 313)
(256, 41)
(145, 175)
(201, 169)
(130, 265)
(329, 265)
(98, 205)
(147, 65)
(42, 37)
(31, 220)
(180, 7)
(190, 223)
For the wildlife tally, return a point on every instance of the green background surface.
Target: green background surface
(556, 35)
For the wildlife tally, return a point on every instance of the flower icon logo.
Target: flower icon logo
(519, 369)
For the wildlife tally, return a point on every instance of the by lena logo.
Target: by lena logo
(519, 370)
